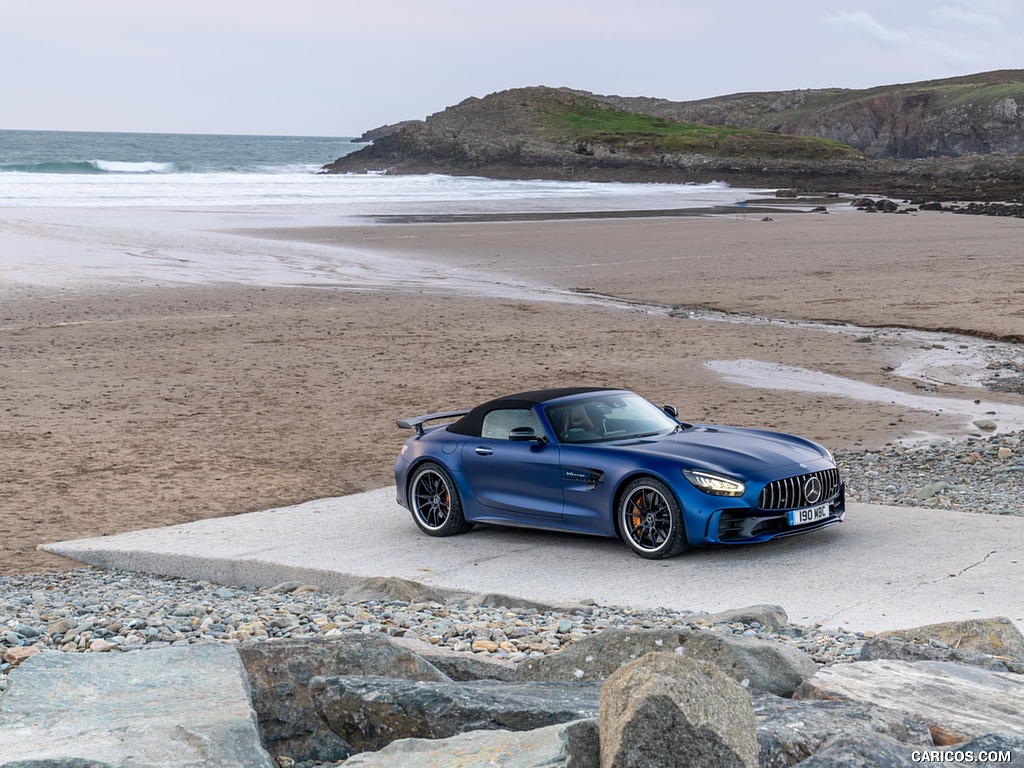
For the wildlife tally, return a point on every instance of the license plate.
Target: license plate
(809, 515)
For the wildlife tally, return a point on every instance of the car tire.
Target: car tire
(650, 519)
(434, 501)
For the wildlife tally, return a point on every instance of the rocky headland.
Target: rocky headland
(949, 140)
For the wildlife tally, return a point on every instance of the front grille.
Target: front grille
(789, 492)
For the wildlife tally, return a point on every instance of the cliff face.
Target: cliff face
(979, 114)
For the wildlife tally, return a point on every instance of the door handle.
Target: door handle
(484, 450)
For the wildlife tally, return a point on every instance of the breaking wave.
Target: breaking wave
(90, 167)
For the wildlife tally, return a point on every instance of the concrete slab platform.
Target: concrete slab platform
(884, 568)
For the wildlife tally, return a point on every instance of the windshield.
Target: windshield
(608, 417)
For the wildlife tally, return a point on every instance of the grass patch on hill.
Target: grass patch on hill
(588, 126)
(974, 98)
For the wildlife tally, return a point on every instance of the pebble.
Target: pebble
(980, 474)
(90, 610)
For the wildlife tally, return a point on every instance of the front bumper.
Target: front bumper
(747, 525)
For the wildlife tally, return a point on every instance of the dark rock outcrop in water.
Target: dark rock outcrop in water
(958, 139)
(385, 130)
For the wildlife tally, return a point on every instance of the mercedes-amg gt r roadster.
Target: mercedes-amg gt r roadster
(607, 462)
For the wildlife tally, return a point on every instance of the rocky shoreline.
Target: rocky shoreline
(421, 682)
(90, 610)
(983, 475)
(982, 180)
(885, 205)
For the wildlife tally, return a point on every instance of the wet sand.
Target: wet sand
(925, 270)
(217, 389)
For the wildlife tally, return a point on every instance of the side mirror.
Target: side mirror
(671, 410)
(524, 435)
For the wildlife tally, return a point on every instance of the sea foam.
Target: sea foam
(116, 166)
(49, 169)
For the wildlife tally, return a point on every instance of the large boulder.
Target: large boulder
(666, 710)
(175, 707)
(393, 588)
(762, 664)
(459, 665)
(279, 674)
(997, 637)
(855, 750)
(597, 656)
(370, 712)
(956, 702)
(501, 600)
(1006, 743)
(767, 615)
(568, 745)
(791, 731)
(858, 750)
(901, 649)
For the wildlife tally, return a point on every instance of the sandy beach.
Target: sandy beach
(143, 384)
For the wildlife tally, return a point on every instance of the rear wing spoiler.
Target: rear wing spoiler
(417, 422)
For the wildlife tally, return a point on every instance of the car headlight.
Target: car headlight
(716, 485)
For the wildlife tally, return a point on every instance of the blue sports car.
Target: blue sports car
(607, 462)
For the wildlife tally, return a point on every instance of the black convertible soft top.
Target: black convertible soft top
(472, 422)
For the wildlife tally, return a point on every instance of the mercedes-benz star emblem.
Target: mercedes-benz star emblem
(812, 489)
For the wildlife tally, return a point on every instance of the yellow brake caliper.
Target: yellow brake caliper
(637, 516)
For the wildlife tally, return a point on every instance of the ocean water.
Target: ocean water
(101, 209)
(58, 169)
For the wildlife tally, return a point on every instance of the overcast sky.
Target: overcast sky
(337, 68)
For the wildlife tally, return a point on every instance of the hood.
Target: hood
(733, 450)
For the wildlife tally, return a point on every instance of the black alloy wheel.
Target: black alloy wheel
(650, 519)
(435, 502)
